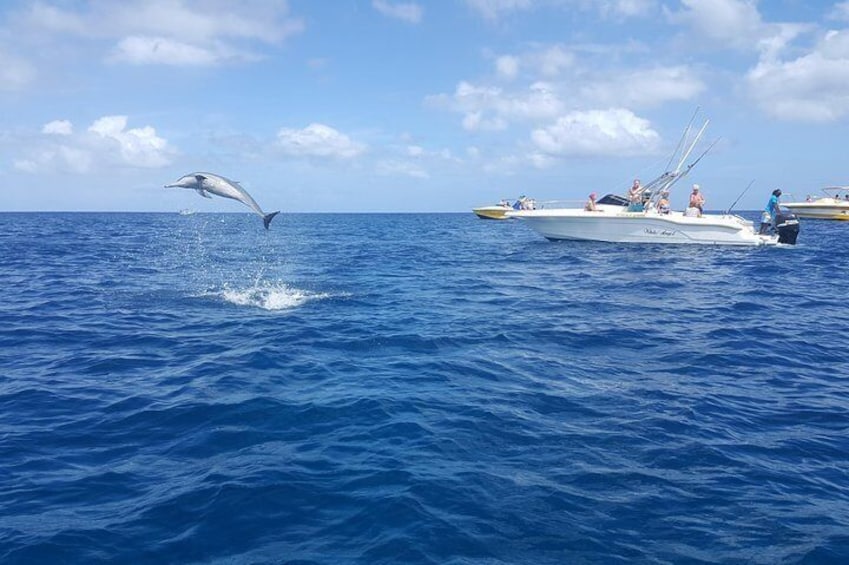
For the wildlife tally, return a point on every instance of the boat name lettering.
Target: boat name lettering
(652, 231)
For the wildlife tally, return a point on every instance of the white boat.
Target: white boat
(648, 226)
(617, 220)
(833, 206)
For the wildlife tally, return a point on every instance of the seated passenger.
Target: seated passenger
(590, 206)
(697, 200)
(663, 203)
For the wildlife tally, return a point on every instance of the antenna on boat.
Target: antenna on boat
(741, 196)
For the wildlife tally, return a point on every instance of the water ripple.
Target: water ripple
(421, 389)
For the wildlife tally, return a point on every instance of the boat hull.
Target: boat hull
(640, 227)
(814, 210)
(492, 212)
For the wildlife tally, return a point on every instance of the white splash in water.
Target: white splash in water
(267, 295)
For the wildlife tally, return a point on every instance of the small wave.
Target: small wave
(267, 295)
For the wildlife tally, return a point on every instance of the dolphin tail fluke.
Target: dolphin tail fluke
(268, 217)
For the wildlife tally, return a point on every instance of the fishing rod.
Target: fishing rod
(676, 176)
(741, 196)
(693, 146)
(683, 137)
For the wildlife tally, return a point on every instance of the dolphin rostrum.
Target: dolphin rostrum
(210, 183)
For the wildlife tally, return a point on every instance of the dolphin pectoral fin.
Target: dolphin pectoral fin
(203, 193)
(268, 217)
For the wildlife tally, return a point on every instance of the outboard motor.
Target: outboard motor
(787, 226)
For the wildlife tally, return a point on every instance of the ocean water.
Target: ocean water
(403, 388)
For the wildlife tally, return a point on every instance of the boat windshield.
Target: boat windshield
(837, 192)
(613, 200)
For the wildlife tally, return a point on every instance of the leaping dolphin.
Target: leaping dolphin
(210, 183)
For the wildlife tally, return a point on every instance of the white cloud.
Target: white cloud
(182, 32)
(643, 87)
(75, 159)
(491, 108)
(105, 144)
(493, 9)
(734, 23)
(507, 66)
(548, 62)
(408, 12)
(475, 121)
(159, 50)
(840, 12)
(15, 73)
(811, 87)
(58, 127)
(318, 140)
(53, 158)
(553, 60)
(616, 131)
(487, 108)
(53, 19)
(26, 165)
(627, 8)
(138, 147)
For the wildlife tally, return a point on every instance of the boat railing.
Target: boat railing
(557, 204)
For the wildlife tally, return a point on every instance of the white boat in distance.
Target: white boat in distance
(617, 221)
(833, 206)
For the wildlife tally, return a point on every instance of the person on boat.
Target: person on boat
(634, 197)
(663, 203)
(697, 199)
(646, 200)
(590, 206)
(635, 191)
(771, 212)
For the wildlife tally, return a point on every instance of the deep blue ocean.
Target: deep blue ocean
(406, 388)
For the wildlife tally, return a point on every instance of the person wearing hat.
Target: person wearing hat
(590, 205)
(771, 212)
(697, 199)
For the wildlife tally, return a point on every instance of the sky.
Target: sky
(414, 106)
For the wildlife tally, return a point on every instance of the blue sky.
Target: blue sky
(385, 105)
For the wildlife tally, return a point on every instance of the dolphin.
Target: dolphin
(210, 183)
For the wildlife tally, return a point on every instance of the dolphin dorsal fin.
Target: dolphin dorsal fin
(200, 178)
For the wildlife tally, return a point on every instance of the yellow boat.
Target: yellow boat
(496, 212)
(499, 211)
